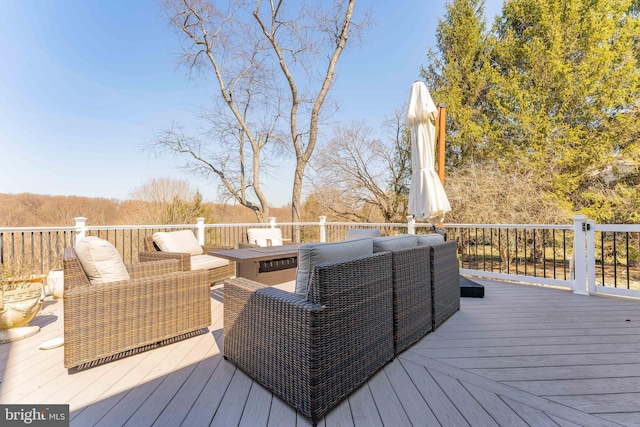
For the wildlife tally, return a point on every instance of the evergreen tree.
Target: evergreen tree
(554, 89)
(456, 77)
(565, 78)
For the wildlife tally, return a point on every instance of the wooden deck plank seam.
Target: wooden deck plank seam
(500, 389)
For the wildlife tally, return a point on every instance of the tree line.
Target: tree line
(158, 201)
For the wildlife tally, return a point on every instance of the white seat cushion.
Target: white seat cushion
(177, 241)
(207, 262)
(100, 261)
(265, 236)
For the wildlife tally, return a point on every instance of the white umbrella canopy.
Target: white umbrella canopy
(427, 199)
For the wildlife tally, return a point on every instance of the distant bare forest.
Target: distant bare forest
(37, 210)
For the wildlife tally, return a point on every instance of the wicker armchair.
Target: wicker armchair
(159, 304)
(445, 281)
(412, 316)
(153, 253)
(313, 352)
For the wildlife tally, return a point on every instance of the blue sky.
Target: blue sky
(86, 84)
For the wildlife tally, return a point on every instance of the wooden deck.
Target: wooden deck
(523, 355)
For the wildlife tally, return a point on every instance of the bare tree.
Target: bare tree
(273, 64)
(164, 201)
(491, 194)
(362, 178)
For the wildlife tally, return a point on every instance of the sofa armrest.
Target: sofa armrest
(152, 268)
(183, 258)
(266, 328)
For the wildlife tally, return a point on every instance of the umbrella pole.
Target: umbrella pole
(442, 116)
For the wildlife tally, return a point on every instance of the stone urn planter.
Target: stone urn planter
(20, 301)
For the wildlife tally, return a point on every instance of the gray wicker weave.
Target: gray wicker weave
(159, 304)
(412, 317)
(445, 281)
(313, 353)
(152, 253)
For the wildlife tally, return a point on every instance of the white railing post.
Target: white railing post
(200, 227)
(411, 224)
(272, 221)
(81, 228)
(591, 257)
(323, 229)
(579, 255)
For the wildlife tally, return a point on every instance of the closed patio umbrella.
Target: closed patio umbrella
(427, 199)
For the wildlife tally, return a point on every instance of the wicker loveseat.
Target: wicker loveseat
(313, 349)
(152, 252)
(158, 304)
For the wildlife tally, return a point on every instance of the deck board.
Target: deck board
(180, 406)
(415, 406)
(387, 402)
(363, 408)
(503, 414)
(234, 401)
(531, 416)
(281, 414)
(256, 411)
(522, 355)
(442, 407)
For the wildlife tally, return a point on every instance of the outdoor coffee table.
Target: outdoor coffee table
(270, 265)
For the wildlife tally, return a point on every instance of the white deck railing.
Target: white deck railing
(584, 257)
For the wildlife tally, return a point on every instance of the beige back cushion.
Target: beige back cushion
(177, 241)
(312, 254)
(100, 261)
(265, 236)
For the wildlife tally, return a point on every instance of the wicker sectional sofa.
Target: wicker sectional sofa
(356, 305)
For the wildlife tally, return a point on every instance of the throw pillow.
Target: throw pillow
(101, 261)
(178, 241)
